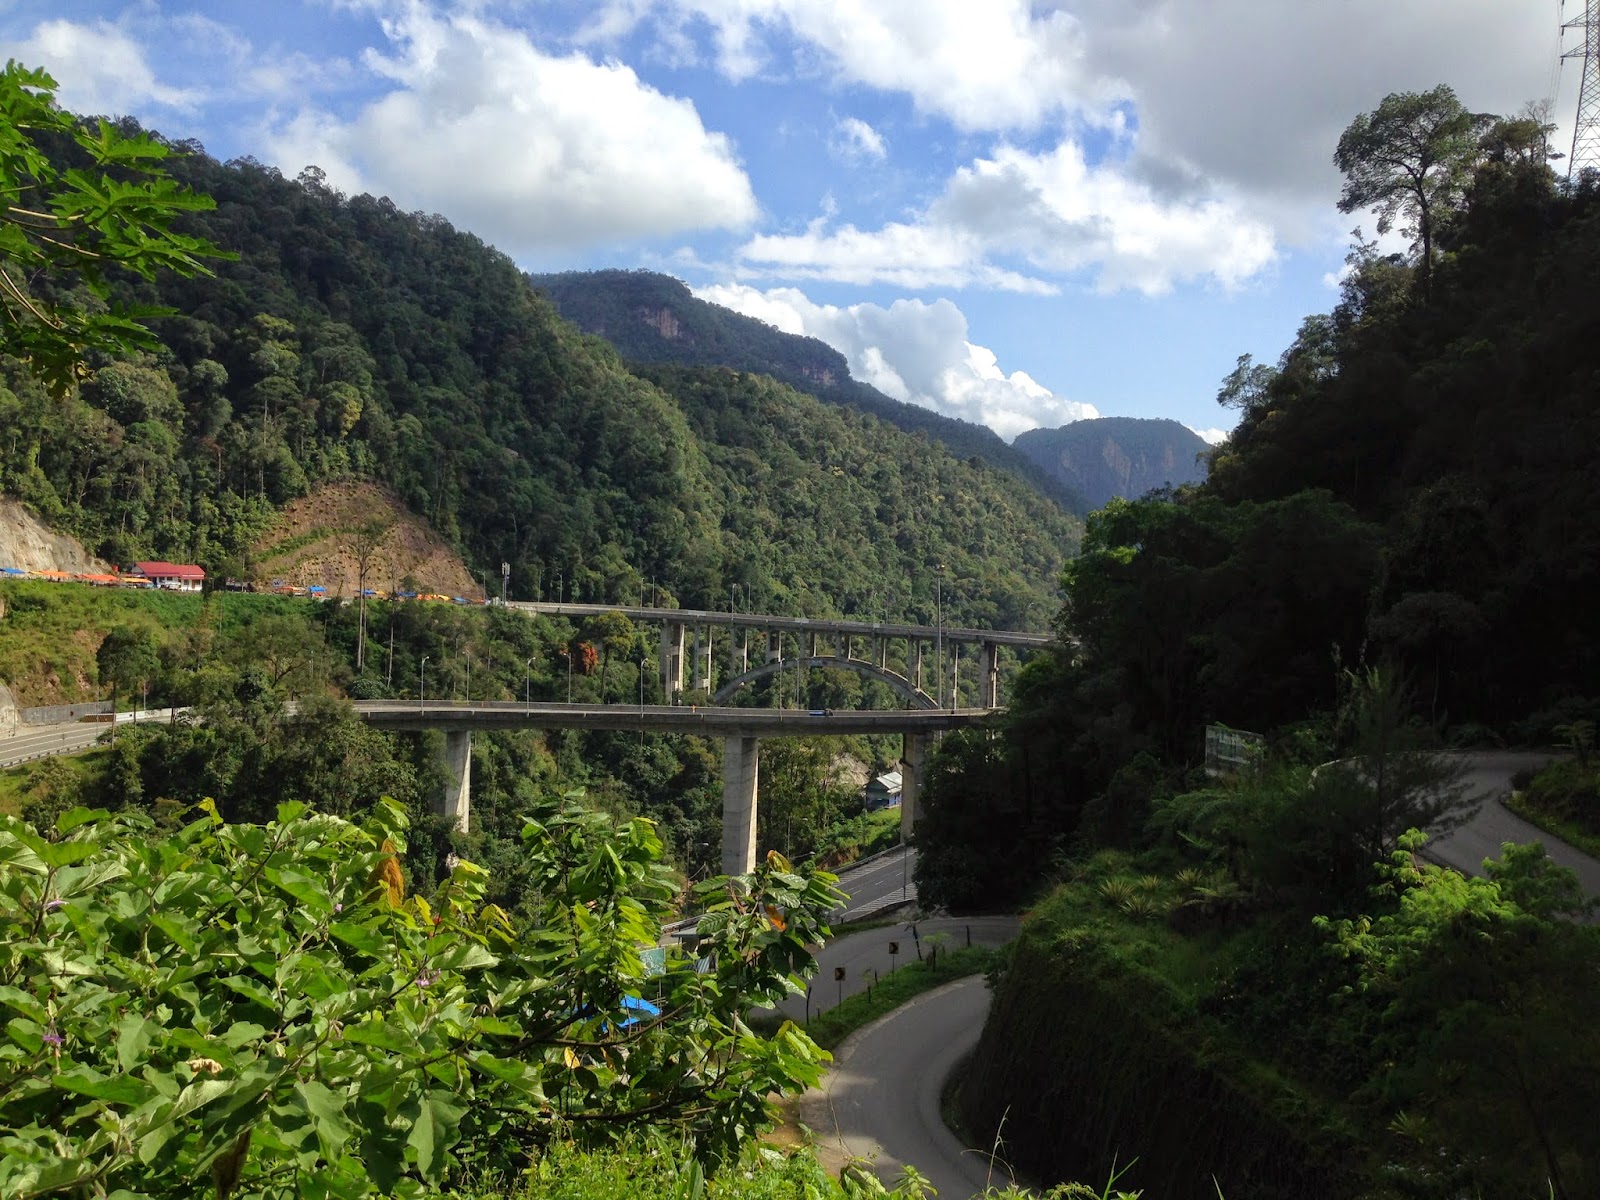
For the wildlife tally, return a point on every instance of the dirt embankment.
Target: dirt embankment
(29, 545)
(321, 539)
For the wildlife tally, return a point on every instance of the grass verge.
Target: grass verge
(1570, 832)
(889, 993)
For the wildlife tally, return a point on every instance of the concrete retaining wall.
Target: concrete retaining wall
(60, 714)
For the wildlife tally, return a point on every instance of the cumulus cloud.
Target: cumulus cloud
(528, 149)
(854, 140)
(1001, 64)
(1052, 214)
(101, 69)
(914, 351)
(1244, 93)
(1213, 436)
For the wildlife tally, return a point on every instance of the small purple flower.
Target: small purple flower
(427, 978)
(338, 908)
(53, 1039)
(52, 905)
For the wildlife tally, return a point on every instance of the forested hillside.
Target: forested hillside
(1395, 553)
(1107, 457)
(653, 318)
(352, 338)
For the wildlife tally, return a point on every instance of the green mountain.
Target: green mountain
(1117, 456)
(653, 318)
(353, 339)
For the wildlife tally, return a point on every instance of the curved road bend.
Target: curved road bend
(865, 956)
(880, 1101)
(1488, 779)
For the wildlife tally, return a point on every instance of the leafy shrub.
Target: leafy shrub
(262, 1007)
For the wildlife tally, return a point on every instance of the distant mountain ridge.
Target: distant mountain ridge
(1117, 456)
(654, 318)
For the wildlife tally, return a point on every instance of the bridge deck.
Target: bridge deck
(817, 625)
(710, 722)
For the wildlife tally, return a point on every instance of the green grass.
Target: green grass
(50, 631)
(890, 992)
(1568, 831)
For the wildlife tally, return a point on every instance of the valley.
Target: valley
(382, 905)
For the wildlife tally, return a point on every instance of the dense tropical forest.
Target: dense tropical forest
(654, 319)
(1393, 554)
(348, 337)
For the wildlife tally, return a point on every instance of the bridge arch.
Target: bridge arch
(916, 697)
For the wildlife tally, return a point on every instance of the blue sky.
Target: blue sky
(1020, 213)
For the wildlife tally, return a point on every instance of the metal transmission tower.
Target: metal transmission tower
(1586, 129)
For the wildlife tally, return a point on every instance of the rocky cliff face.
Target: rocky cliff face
(27, 543)
(1117, 456)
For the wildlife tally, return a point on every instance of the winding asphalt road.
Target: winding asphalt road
(880, 1104)
(881, 1101)
(1488, 778)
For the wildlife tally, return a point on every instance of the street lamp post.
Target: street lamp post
(527, 685)
(469, 677)
(938, 618)
(569, 672)
(422, 682)
(561, 587)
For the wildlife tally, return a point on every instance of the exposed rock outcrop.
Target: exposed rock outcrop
(29, 544)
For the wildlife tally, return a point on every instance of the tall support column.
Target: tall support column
(741, 763)
(738, 651)
(989, 677)
(913, 754)
(955, 674)
(841, 646)
(672, 636)
(914, 662)
(811, 645)
(774, 646)
(456, 803)
(880, 652)
(702, 657)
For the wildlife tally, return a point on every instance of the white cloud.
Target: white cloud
(854, 140)
(1052, 213)
(912, 351)
(527, 149)
(1248, 94)
(1213, 436)
(101, 69)
(999, 64)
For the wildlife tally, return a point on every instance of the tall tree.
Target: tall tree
(1409, 158)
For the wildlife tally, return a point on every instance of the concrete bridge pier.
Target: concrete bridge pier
(702, 658)
(774, 646)
(914, 752)
(914, 663)
(456, 803)
(741, 762)
(989, 676)
(672, 639)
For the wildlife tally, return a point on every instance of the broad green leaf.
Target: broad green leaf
(435, 1122)
(115, 1089)
(134, 1034)
(326, 1108)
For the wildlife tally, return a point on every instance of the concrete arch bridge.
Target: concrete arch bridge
(907, 658)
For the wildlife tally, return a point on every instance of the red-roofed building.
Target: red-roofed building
(177, 577)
